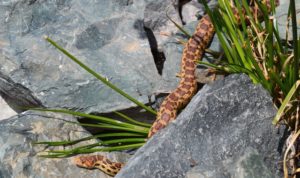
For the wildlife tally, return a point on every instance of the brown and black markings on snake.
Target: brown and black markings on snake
(177, 99)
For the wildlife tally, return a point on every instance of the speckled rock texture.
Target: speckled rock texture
(107, 35)
(248, 165)
(215, 132)
(19, 156)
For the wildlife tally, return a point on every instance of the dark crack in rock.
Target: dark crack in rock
(17, 95)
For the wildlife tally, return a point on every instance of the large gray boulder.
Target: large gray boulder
(107, 35)
(225, 126)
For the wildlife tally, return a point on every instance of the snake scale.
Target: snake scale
(176, 100)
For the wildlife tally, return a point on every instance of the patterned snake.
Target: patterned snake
(176, 100)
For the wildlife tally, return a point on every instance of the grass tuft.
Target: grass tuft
(256, 49)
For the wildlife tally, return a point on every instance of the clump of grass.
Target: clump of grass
(256, 49)
(129, 134)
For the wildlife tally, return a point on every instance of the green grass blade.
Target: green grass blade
(93, 117)
(101, 143)
(132, 120)
(178, 26)
(285, 102)
(142, 130)
(102, 79)
(104, 135)
(115, 148)
(59, 155)
(218, 30)
(105, 149)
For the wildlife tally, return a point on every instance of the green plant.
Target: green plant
(256, 49)
(127, 135)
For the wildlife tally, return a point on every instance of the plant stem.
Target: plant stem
(105, 135)
(102, 119)
(132, 120)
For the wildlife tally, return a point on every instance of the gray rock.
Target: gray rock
(191, 10)
(281, 17)
(156, 20)
(10, 90)
(19, 156)
(221, 123)
(107, 35)
(249, 165)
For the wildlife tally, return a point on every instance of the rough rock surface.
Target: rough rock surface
(155, 19)
(217, 129)
(110, 36)
(18, 154)
(107, 35)
(190, 11)
(249, 165)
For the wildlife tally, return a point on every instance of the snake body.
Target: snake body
(100, 162)
(187, 87)
(176, 100)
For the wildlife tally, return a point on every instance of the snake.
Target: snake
(176, 100)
